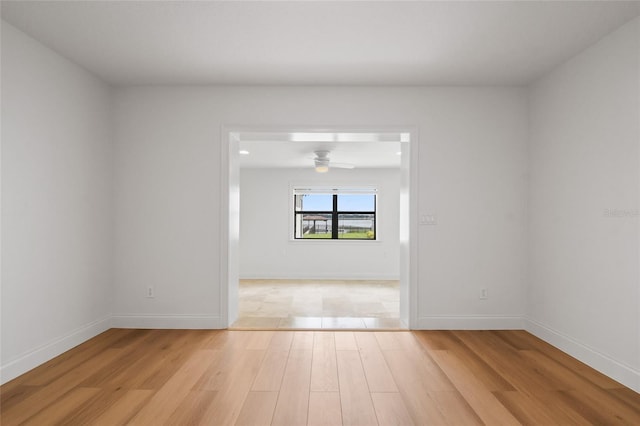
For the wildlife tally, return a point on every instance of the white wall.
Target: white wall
(584, 280)
(472, 162)
(56, 204)
(266, 248)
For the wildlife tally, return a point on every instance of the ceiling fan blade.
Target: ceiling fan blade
(341, 165)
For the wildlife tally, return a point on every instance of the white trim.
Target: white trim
(619, 371)
(174, 321)
(328, 189)
(329, 241)
(412, 295)
(35, 357)
(408, 309)
(224, 245)
(470, 322)
(320, 276)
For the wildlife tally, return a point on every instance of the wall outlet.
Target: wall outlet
(484, 294)
(150, 292)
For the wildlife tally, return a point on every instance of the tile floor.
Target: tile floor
(318, 304)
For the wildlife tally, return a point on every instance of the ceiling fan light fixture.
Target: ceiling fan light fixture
(322, 164)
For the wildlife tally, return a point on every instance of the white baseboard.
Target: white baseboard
(167, 321)
(35, 357)
(618, 371)
(470, 322)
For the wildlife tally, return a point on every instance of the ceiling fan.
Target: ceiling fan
(322, 161)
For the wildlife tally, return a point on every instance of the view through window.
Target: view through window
(335, 214)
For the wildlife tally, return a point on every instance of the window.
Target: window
(333, 214)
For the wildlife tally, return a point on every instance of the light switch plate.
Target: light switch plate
(428, 219)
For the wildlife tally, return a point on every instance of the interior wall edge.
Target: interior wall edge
(608, 366)
(35, 357)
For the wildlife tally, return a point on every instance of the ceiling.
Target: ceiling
(318, 43)
(296, 149)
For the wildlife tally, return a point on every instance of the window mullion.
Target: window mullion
(334, 218)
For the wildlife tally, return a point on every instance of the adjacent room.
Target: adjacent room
(298, 269)
(291, 213)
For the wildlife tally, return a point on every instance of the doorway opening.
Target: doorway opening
(318, 233)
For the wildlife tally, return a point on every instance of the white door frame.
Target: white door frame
(230, 215)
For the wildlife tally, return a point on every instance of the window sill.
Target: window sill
(330, 241)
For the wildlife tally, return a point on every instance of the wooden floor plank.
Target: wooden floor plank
(557, 409)
(162, 367)
(124, 408)
(189, 377)
(564, 377)
(225, 357)
(435, 340)
(226, 406)
(167, 399)
(455, 409)
(481, 400)
(260, 340)
(414, 387)
(133, 352)
(627, 396)
(593, 404)
(210, 339)
(234, 341)
(49, 394)
(423, 367)
(379, 377)
(534, 343)
(69, 360)
(509, 362)
(220, 365)
(345, 341)
(355, 397)
(527, 410)
(390, 409)
(324, 366)
(324, 409)
(94, 407)
(147, 366)
(64, 406)
(302, 341)
(15, 393)
(483, 370)
(517, 339)
(281, 341)
(269, 377)
(257, 409)
(192, 409)
(387, 341)
(293, 401)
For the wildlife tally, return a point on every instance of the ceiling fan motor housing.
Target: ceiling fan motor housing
(322, 160)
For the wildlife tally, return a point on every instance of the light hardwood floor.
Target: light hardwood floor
(318, 304)
(221, 377)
